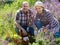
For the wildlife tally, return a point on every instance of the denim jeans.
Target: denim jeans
(28, 29)
(38, 24)
(55, 30)
(57, 34)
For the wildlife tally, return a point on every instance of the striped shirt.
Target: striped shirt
(48, 19)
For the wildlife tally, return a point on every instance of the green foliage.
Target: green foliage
(7, 14)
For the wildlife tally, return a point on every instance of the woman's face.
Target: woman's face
(39, 9)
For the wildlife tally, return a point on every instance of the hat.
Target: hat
(39, 3)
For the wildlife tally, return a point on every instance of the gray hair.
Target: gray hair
(25, 2)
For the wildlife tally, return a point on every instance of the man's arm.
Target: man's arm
(20, 28)
(17, 21)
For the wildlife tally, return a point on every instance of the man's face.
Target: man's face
(26, 7)
(39, 9)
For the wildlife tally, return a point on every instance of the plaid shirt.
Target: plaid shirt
(24, 18)
(49, 19)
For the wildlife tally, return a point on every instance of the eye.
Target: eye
(35, 8)
(39, 8)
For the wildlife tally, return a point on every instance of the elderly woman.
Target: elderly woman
(45, 18)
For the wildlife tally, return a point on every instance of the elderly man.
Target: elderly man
(44, 18)
(23, 21)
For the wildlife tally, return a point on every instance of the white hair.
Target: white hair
(39, 3)
(25, 2)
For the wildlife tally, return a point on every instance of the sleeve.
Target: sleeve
(31, 19)
(17, 17)
(53, 21)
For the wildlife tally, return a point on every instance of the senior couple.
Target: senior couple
(31, 23)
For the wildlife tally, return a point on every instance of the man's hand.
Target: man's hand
(20, 28)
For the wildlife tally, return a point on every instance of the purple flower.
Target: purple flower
(53, 6)
(54, 1)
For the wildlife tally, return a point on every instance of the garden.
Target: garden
(8, 10)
